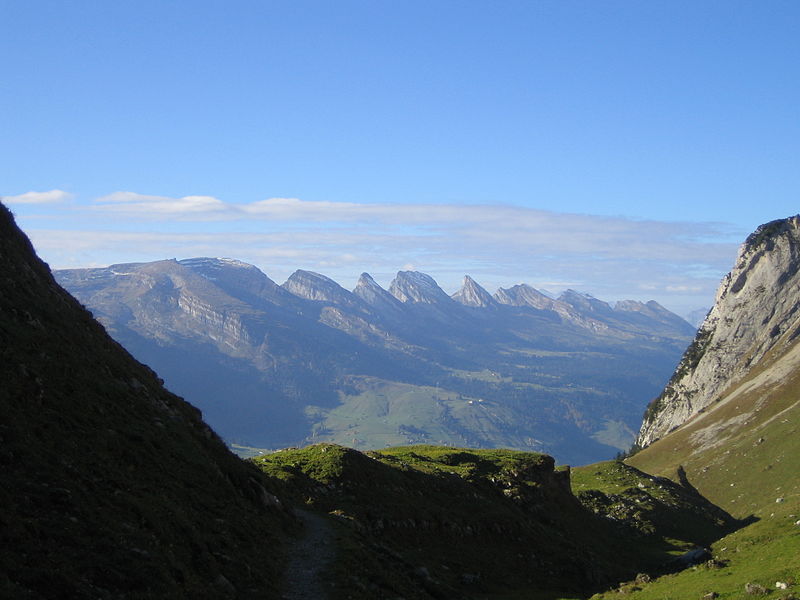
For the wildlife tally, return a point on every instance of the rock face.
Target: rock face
(757, 310)
(111, 486)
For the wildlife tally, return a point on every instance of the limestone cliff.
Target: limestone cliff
(757, 309)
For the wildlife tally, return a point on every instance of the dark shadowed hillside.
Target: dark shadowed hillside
(110, 486)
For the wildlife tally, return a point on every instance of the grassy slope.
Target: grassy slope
(742, 454)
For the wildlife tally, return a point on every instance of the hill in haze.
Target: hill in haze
(308, 361)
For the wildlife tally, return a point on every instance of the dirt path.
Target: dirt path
(308, 559)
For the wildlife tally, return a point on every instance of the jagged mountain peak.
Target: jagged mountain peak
(373, 294)
(584, 302)
(766, 234)
(630, 305)
(569, 293)
(418, 288)
(238, 278)
(303, 275)
(756, 312)
(314, 286)
(366, 280)
(523, 295)
(651, 308)
(472, 294)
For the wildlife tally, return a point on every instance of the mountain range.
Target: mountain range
(113, 487)
(309, 361)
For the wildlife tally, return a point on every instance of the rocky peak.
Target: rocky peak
(585, 303)
(652, 315)
(524, 295)
(630, 306)
(374, 295)
(367, 287)
(418, 288)
(757, 309)
(472, 294)
(239, 279)
(650, 309)
(313, 286)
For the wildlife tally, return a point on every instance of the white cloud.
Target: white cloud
(609, 257)
(51, 197)
(527, 229)
(155, 207)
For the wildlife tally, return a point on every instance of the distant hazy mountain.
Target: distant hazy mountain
(696, 317)
(275, 365)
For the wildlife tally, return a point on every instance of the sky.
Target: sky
(620, 148)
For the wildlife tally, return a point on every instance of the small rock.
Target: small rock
(642, 578)
(693, 557)
(754, 589)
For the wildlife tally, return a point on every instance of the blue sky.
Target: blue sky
(620, 148)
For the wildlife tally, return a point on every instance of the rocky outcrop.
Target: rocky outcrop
(757, 310)
(472, 294)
